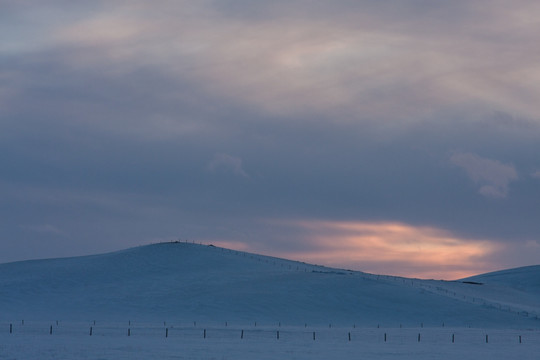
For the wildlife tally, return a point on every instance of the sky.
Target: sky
(394, 137)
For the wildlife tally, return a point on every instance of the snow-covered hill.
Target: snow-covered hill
(191, 282)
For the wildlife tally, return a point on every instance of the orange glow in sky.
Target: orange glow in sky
(402, 249)
(390, 248)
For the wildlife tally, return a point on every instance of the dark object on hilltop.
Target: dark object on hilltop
(472, 282)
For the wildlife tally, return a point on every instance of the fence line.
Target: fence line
(277, 333)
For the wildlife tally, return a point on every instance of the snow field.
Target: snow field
(70, 340)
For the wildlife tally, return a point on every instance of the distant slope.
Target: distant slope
(181, 281)
(515, 289)
(525, 279)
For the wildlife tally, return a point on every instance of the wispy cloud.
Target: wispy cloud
(536, 174)
(227, 163)
(492, 176)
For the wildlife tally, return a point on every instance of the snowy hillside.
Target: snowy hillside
(190, 282)
(526, 279)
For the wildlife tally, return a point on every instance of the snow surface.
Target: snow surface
(189, 289)
(148, 341)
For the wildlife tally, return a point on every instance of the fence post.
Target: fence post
(486, 339)
(384, 337)
(242, 334)
(11, 329)
(520, 339)
(349, 336)
(204, 333)
(418, 337)
(278, 334)
(50, 330)
(166, 332)
(90, 331)
(129, 332)
(314, 335)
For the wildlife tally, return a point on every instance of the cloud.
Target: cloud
(493, 176)
(294, 58)
(388, 248)
(227, 163)
(325, 103)
(536, 174)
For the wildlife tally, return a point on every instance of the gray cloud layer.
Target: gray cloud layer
(126, 122)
